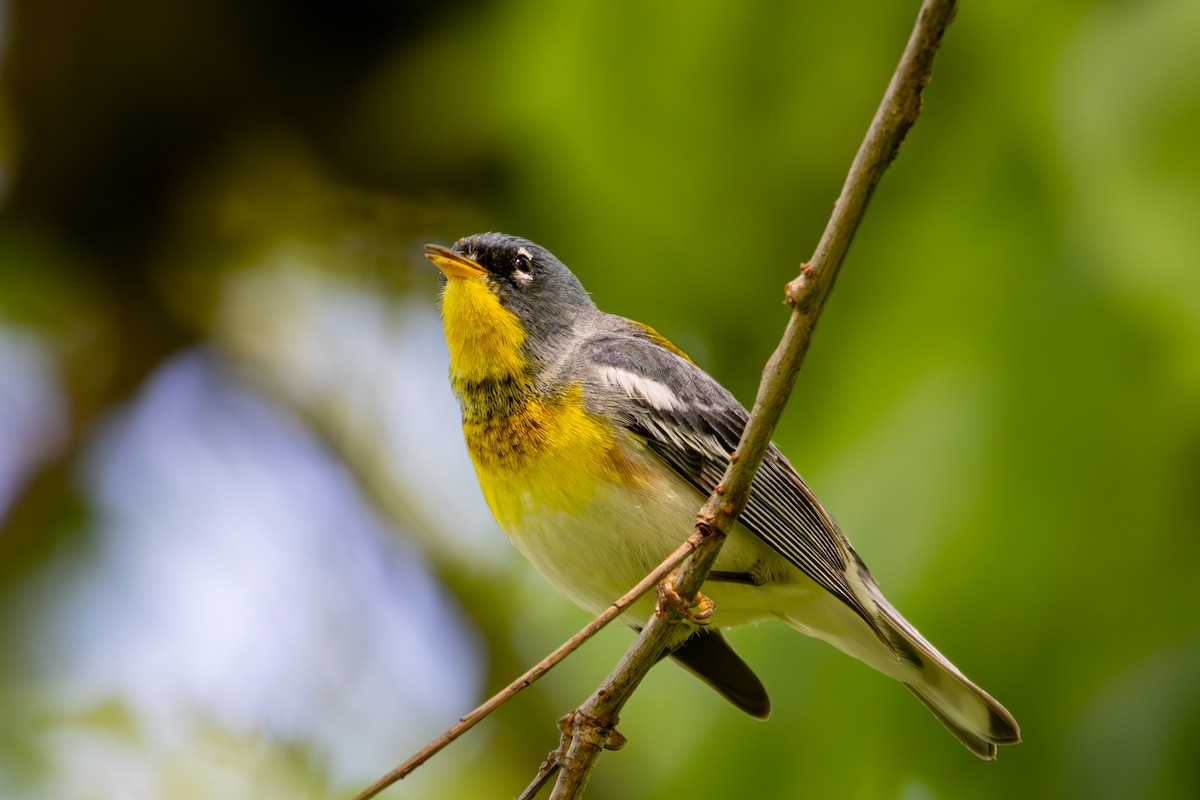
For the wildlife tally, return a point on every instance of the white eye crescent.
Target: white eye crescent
(523, 267)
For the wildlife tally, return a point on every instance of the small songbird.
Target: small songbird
(596, 440)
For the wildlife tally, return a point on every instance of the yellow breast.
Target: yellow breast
(551, 455)
(533, 452)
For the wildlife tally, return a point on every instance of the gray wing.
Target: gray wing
(693, 424)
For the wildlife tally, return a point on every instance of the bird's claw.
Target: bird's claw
(613, 739)
(669, 604)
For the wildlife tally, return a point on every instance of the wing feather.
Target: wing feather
(693, 424)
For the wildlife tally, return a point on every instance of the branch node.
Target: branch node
(615, 740)
(796, 289)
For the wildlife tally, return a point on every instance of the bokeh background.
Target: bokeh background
(242, 553)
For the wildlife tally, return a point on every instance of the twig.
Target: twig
(538, 670)
(596, 719)
(545, 773)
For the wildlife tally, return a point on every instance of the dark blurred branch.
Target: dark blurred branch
(120, 111)
(122, 114)
(594, 722)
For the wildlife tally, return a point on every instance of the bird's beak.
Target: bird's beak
(454, 265)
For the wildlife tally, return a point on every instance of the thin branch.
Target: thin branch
(538, 670)
(544, 774)
(595, 720)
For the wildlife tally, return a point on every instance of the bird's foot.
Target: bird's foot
(568, 725)
(671, 605)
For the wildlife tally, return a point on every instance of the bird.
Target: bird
(595, 440)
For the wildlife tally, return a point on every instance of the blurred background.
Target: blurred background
(242, 552)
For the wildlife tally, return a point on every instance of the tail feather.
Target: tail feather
(968, 712)
(891, 645)
(984, 746)
(709, 656)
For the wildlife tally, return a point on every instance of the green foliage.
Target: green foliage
(1001, 406)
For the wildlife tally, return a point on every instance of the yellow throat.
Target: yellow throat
(533, 452)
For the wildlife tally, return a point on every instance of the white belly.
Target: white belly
(596, 556)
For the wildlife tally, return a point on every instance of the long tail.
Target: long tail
(968, 712)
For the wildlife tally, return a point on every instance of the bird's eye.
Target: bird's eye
(522, 271)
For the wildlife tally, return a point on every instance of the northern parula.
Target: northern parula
(595, 441)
